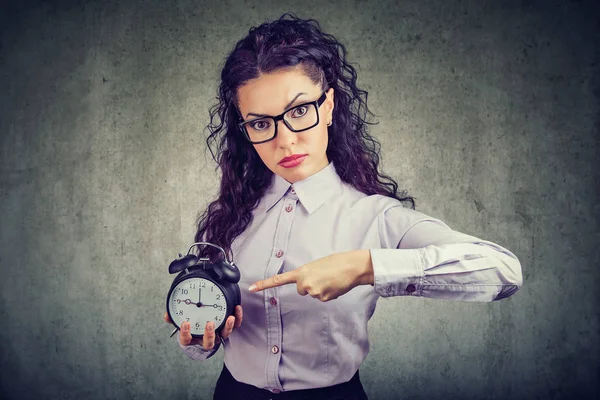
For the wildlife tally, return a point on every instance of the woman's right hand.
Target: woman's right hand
(209, 339)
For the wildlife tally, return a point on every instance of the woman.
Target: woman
(303, 210)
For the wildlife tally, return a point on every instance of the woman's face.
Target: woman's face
(269, 94)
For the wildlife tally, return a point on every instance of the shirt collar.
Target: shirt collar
(312, 191)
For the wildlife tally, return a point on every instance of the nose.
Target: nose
(285, 137)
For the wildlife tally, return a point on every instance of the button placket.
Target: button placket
(274, 334)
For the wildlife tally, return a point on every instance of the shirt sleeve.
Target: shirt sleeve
(432, 260)
(196, 351)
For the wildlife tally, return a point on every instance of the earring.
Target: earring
(330, 122)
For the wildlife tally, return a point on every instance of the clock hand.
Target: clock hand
(206, 305)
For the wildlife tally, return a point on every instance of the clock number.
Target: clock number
(187, 319)
(180, 312)
(184, 291)
(192, 286)
(197, 324)
(218, 297)
(202, 284)
(211, 288)
(217, 318)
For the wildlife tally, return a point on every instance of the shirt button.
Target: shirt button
(289, 208)
(275, 349)
(279, 254)
(293, 191)
(273, 301)
(410, 288)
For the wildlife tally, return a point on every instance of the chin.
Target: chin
(292, 174)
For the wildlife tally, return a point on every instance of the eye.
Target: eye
(299, 111)
(259, 125)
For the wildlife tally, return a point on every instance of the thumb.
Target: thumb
(185, 337)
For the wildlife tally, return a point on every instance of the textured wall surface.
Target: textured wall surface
(488, 114)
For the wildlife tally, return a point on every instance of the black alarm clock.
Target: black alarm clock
(202, 291)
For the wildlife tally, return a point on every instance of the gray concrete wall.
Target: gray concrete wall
(488, 114)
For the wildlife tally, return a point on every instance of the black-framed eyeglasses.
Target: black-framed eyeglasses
(298, 118)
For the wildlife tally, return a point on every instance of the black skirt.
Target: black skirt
(229, 389)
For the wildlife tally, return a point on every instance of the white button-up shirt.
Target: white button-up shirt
(289, 342)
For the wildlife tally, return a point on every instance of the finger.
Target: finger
(276, 280)
(228, 327)
(239, 315)
(167, 319)
(208, 341)
(301, 290)
(185, 336)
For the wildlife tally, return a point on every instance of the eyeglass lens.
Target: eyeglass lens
(298, 118)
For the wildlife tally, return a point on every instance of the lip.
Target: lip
(291, 158)
(293, 161)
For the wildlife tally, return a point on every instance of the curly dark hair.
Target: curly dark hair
(286, 43)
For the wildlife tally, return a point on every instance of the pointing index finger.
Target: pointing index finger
(275, 280)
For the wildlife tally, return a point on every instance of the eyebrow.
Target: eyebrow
(285, 108)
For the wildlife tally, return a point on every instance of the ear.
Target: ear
(329, 103)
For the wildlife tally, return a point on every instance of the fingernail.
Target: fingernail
(209, 326)
(252, 287)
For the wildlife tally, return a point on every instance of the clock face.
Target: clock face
(198, 301)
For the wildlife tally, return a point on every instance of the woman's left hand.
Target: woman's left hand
(326, 278)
